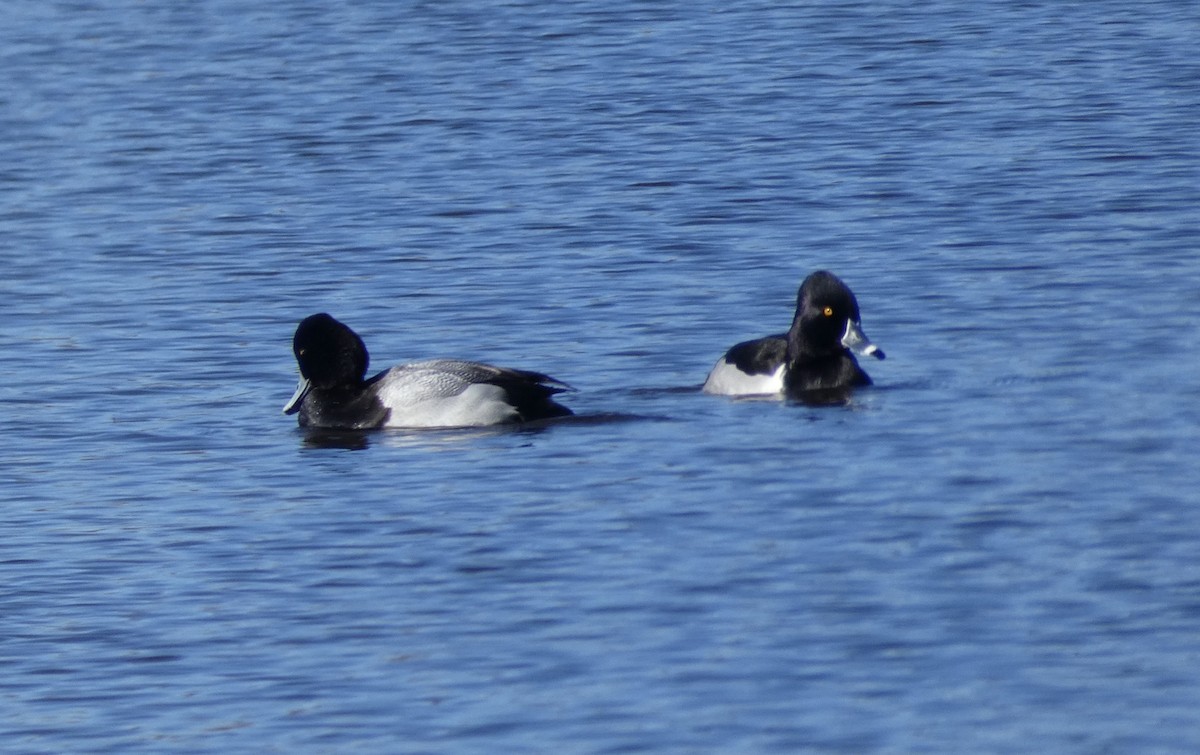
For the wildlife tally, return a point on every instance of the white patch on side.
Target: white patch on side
(476, 405)
(727, 380)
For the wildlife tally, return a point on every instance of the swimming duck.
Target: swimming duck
(335, 393)
(813, 356)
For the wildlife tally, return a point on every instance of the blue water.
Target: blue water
(992, 550)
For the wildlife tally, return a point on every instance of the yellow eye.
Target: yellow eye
(828, 311)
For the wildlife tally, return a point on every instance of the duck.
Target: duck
(815, 357)
(335, 393)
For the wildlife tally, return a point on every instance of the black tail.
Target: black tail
(532, 393)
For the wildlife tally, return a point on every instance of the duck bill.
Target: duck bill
(293, 405)
(856, 340)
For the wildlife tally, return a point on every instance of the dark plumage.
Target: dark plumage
(815, 355)
(334, 391)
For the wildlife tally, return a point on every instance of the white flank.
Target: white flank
(476, 404)
(727, 380)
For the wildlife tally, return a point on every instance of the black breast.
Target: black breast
(346, 410)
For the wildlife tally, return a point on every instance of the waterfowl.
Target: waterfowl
(815, 355)
(334, 391)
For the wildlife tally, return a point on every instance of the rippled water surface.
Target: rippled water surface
(992, 550)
